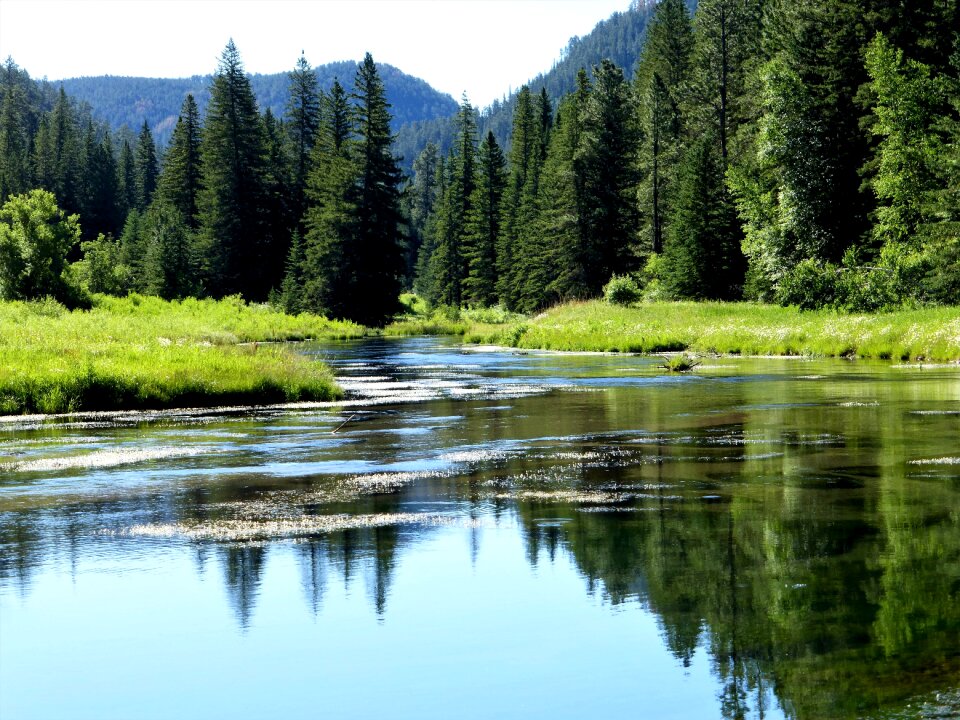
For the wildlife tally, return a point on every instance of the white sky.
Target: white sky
(483, 47)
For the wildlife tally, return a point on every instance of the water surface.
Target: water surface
(483, 533)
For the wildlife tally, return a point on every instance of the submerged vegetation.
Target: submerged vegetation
(144, 352)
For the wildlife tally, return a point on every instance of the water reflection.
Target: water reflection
(796, 523)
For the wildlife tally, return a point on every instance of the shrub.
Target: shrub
(809, 285)
(35, 237)
(621, 290)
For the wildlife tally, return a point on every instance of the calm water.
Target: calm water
(479, 534)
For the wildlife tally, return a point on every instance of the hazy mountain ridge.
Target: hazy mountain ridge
(129, 101)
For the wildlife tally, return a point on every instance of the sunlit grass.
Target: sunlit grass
(734, 328)
(143, 352)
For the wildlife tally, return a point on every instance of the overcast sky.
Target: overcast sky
(483, 47)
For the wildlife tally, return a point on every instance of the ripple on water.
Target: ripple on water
(245, 529)
(102, 459)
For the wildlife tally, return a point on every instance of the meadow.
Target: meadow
(927, 334)
(144, 352)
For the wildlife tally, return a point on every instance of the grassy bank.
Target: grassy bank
(140, 352)
(931, 334)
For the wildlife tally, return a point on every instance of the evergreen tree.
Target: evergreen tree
(146, 167)
(449, 259)
(377, 242)
(126, 180)
(696, 263)
(233, 193)
(331, 208)
(280, 215)
(57, 155)
(660, 85)
(179, 181)
(518, 197)
(482, 231)
(291, 290)
(607, 157)
(133, 249)
(14, 143)
(424, 283)
(303, 123)
(420, 199)
(170, 262)
(560, 270)
(102, 212)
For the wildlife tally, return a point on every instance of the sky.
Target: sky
(485, 48)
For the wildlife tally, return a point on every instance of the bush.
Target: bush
(810, 285)
(621, 290)
(35, 237)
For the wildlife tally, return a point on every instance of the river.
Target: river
(480, 533)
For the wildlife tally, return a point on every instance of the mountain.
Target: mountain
(131, 100)
(618, 38)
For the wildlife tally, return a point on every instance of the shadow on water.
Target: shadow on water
(794, 524)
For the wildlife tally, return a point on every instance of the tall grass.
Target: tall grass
(139, 352)
(736, 328)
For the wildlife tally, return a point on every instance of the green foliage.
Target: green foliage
(171, 265)
(35, 238)
(808, 285)
(102, 269)
(621, 290)
(909, 101)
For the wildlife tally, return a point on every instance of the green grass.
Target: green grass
(143, 352)
(931, 334)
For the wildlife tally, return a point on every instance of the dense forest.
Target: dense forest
(803, 153)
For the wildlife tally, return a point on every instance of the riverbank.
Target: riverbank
(143, 352)
(930, 334)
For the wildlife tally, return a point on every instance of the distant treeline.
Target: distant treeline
(131, 101)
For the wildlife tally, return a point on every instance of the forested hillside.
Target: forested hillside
(618, 38)
(132, 100)
(802, 153)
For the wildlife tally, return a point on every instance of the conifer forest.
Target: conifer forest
(802, 153)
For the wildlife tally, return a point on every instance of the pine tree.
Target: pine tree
(146, 167)
(280, 216)
(14, 143)
(126, 180)
(170, 267)
(232, 194)
(420, 199)
(179, 180)
(449, 259)
(608, 166)
(377, 243)
(660, 85)
(303, 123)
(328, 264)
(696, 262)
(517, 198)
(291, 290)
(102, 212)
(561, 270)
(482, 231)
